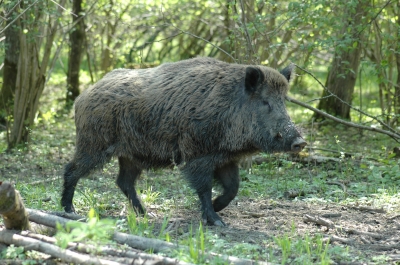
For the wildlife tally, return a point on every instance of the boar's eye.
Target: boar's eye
(266, 103)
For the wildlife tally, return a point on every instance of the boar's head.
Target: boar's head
(272, 130)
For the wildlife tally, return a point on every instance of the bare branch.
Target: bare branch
(356, 109)
(394, 135)
(374, 17)
(250, 46)
(12, 9)
(200, 38)
(63, 8)
(20, 14)
(152, 38)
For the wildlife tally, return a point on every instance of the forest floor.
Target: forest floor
(338, 203)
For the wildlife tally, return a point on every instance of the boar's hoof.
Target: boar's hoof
(219, 223)
(216, 223)
(69, 209)
(212, 220)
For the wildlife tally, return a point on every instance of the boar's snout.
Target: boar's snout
(298, 145)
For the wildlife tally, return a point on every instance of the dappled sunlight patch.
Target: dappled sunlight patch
(386, 199)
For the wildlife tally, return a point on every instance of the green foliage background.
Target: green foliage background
(142, 33)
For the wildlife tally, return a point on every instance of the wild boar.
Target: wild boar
(201, 114)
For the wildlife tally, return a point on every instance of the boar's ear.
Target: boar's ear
(288, 72)
(254, 78)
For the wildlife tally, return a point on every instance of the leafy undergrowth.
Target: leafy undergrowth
(355, 185)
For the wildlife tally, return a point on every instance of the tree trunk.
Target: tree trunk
(397, 91)
(343, 73)
(26, 82)
(397, 87)
(31, 70)
(10, 70)
(106, 55)
(76, 38)
(227, 45)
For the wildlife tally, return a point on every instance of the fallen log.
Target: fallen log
(12, 208)
(137, 242)
(107, 250)
(143, 243)
(12, 237)
(46, 219)
(133, 241)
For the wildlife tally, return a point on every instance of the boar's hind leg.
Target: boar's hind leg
(71, 178)
(128, 173)
(200, 178)
(79, 167)
(228, 177)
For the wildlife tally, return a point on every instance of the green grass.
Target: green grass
(94, 231)
(375, 184)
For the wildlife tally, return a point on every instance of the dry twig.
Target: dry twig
(370, 234)
(331, 215)
(330, 225)
(382, 247)
(319, 220)
(254, 214)
(369, 209)
(333, 238)
(394, 217)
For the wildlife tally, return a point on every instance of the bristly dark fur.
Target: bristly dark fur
(202, 114)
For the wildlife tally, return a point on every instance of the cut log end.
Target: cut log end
(12, 208)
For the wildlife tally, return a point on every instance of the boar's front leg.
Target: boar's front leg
(200, 173)
(228, 177)
(128, 173)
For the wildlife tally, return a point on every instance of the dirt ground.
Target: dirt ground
(367, 230)
(370, 231)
